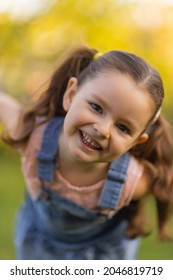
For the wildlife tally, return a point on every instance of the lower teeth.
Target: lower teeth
(88, 144)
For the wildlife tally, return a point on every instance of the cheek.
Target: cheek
(116, 150)
(79, 115)
(119, 145)
(73, 120)
(77, 119)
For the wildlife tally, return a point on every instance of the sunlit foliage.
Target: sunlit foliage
(30, 47)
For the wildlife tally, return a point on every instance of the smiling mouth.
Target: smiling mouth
(89, 141)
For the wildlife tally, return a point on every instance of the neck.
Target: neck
(81, 175)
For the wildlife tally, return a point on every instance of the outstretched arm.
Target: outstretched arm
(9, 112)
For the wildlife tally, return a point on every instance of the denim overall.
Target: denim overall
(53, 227)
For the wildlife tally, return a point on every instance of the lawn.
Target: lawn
(11, 195)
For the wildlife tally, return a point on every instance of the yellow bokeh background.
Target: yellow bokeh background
(30, 47)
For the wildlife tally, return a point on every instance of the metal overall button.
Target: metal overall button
(46, 195)
(102, 219)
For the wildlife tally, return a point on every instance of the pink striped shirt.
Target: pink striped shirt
(87, 196)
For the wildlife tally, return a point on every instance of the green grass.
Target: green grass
(11, 192)
(11, 195)
(151, 248)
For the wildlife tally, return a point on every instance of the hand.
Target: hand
(10, 110)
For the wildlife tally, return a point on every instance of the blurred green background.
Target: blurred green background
(34, 34)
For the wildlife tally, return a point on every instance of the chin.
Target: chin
(83, 158)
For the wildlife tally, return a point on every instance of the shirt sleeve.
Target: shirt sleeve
(29, 161)
(134, 174)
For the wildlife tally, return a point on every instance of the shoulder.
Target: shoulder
(137, 183)
(144, 184)
(35, 140)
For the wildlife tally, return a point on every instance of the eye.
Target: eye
(123, 128)
(96, 108)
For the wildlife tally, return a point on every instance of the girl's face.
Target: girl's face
(105, 117)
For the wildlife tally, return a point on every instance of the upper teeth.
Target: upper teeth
(89, 140)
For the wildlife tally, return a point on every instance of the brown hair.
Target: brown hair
(79, 63)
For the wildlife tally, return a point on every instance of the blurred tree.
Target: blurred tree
(30, 48)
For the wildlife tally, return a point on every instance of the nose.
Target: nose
(103, 128)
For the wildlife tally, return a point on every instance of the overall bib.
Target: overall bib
(53, 227)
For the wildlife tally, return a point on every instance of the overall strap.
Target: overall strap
(114, 182)
(116, 176)
(46, 156)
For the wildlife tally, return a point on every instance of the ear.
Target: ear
(142, 139)
(69, 94)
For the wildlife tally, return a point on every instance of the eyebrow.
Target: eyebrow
(129, 122)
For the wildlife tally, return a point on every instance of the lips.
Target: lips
(89, 141)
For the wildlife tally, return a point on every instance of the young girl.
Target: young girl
(78, 143)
